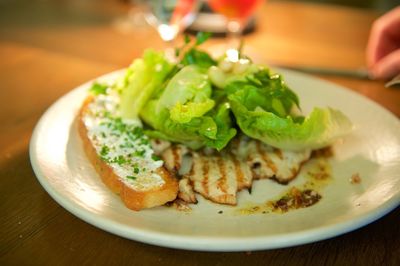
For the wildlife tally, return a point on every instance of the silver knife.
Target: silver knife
(360, 73)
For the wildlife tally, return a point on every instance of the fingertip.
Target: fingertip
(379, 72)
(374, 74)
(387, 67)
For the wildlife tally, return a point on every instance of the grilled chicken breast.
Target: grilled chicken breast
(218, 176)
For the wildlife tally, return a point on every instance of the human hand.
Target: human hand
(383, 49)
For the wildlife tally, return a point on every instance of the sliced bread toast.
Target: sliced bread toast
(146, 190)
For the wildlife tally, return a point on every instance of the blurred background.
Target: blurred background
(115, 31)
(38, 12)
(120, 26)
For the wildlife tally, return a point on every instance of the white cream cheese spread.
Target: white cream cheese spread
(121, 143)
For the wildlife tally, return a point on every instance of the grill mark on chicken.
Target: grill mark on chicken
(173, 158)
(270, 164)
(186, 192)
(176, 158)
(222, 180)
(238, 172)
(206, 169)
(279, 153)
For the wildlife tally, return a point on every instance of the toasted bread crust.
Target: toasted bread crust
(133, 199)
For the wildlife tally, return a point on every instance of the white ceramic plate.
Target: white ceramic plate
(372, 150)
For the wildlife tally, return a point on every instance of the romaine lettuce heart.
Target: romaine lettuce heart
(212, 130)
(191, 102)
(187, 94)
(317, 130)
(142, 78)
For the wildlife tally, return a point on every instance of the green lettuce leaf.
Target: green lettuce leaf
(186, 113)
(187, 95)
(197, 57)
(212, 130)
(317, 130)
(221, 79)
(189, 54)
(183, 113)
(225, 131)
(265, 90)
(98, 88)
(141, 80)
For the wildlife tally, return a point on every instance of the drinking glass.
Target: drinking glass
(170, 17)
(237, 13)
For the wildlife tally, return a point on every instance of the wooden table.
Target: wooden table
(49, 47)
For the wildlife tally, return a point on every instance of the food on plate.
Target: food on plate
(355, 178)
(168, 130)
(218, 176)
(122, 156)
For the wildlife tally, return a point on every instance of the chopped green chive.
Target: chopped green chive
(155, 157)
(136, 170)
(140, 153)
(104, 150)
(119, 160)
(144, 141)
(98, 88)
